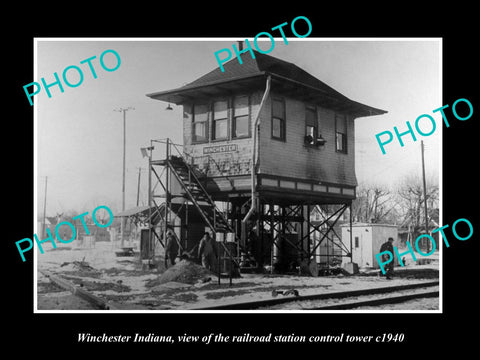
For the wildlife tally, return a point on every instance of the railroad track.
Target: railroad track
(379, 301)
(340, 300)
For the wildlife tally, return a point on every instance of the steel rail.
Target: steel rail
(322, 296)
(377, 302)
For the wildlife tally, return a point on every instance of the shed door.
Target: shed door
(357, 250)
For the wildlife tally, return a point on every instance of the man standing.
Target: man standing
(388, 246)
(207, 251)
(171, 248)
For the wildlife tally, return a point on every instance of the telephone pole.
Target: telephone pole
(45, 209)
(424, 193)
(122, 222)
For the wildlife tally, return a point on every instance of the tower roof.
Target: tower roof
(287, 78)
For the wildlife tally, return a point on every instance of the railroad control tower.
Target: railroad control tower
(271, 142)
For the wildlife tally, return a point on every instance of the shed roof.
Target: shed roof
(363, 224)
(287, 78)
(133, 211)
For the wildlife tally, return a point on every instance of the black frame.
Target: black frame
(210, 135)
(212, 111)
(344, 141)
(313, 124)
(206, 122)
(283, 136)
(233, 117)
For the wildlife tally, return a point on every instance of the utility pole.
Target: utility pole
(424, 193)
(122, 222)
(45, 209)
(138, 184)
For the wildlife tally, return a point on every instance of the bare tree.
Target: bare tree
(410, 198)
(374, 204)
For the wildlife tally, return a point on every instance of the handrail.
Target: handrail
(195, 176)
(164, 141)
(205, 218)
(212, 160)
(191, 170)
(229, 227)
(218, 168)
(216, 210)
(191, 196)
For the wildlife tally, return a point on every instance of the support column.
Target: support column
(309, 234)
(150, 223)
(167, 190)
(301, 235)
(351, 234)
(272, 235)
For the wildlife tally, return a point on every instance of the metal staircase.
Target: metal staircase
(189, 178)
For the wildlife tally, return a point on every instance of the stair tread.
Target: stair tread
(197, 193)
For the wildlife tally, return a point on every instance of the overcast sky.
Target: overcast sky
(79, 135)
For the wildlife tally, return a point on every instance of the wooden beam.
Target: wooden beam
(75, 290)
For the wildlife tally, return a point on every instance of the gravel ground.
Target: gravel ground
(122, 282)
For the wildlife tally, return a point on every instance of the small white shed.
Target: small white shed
(366, 242)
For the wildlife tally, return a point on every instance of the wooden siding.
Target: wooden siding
(292, 158)
(291, 164)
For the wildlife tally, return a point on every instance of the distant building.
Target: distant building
(65, 232)
(409, 232)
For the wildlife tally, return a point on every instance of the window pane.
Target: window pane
(310, 131)
(200, 113)
(341, 142)
(220, 110)
(277, 128)
(341, 124)
(199, 132)
(240, 105)
(278, 109)
(220, 129)
(240, 126)
(310, 117)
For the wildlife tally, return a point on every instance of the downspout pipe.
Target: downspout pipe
(256, 125)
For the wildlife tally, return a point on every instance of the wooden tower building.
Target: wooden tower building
(271, 141)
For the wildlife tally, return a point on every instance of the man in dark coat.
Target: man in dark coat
(388, 246)
(171, 249)
(207, 251)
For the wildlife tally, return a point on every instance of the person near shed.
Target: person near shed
(171, 248)
(207, 251)
(388, 246)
